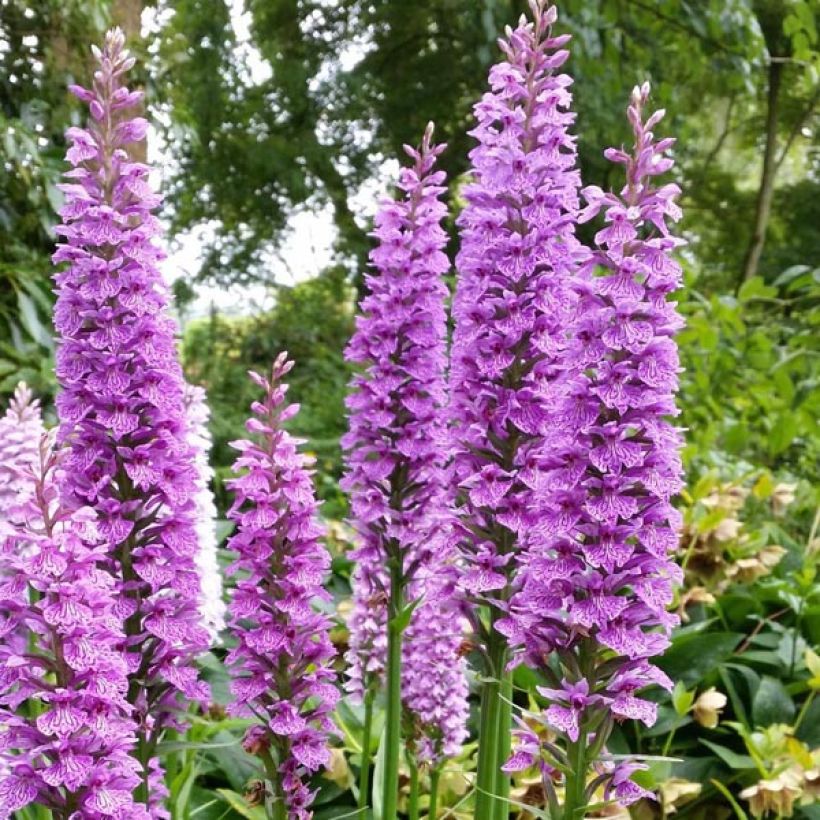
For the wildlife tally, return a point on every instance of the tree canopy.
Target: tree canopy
(344, 85)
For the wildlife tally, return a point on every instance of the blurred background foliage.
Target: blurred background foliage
(270, 108)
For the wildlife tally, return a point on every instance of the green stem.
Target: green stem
(141, 793)
(393, 709)
(669, 738)
(493, 733)
(171, 762)
(413, 802)
(486, 733)
(574, 799)
(364, 771)
(502, 780)
(275, 808)
(803, 710)
(435, 774)
(796, 635)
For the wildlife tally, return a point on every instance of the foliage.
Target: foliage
(312, 321)
(752, 371)
(39, 53)
(337, 88)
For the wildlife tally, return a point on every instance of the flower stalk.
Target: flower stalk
(281, 668)
(415, 786)
(435, 777)
(518, 253)
(393, 709)
(367, 741)
(596, 584)
(393, 447)
(121, 408)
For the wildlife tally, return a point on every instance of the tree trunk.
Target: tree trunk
(765, 191)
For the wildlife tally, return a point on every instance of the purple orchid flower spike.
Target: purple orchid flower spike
(120, 406)
(596, 581)
(281, 667)
(72, 753)
(395, 454)
(517, 257)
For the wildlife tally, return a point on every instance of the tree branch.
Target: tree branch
(796, 128)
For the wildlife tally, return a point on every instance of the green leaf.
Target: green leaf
(233, 760)
(790, 274)
(772, 703)
(764, 486)
(737, 606)
(694, 656)
(188, 745)
(809, 729)
(751, 682)
(240, 805)
(681, 699)
(402, 620)
(784, 429)
(224, 528)
(208, 805)
(30, 320)
(377, 788)
(812, 660)
(180, 789)
(732, 759)
(755, 288)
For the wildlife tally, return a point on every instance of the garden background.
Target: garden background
(274, 127)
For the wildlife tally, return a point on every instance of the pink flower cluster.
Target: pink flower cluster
(518, 250)
(394, 444)
(434, 670)
(121, 402)
(395, 460)
(72, 752)
(21, 429)
(281, 667)
(602, 563)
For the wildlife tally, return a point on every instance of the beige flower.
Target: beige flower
(746, 570)
(811, 784)
(712, 500)
(727, 530)
(528, 790)
(750, 569)
(696, 595)
(344, 608)
(776, 795)
(708, 707)
(782, 497)
(338, 770)
(676, 792)
(770, 556)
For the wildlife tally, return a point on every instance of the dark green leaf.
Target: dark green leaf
(693, 657)
(732, 759)
(772, 703)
